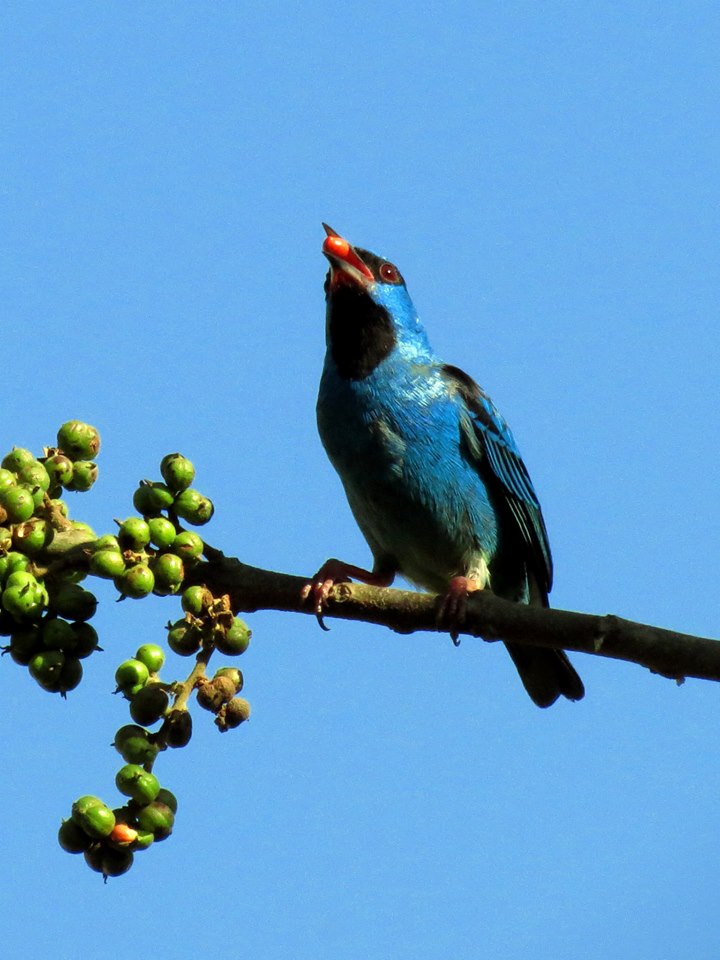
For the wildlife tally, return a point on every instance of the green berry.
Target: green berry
(136, 582)
(17, 561)
(168, 798)
(38, 495)
(24, 603)
(128, 732)
(13, 562)
(134, 533)
(93, 816)
(157, 818)
(56, 672)
(149, 704)
(32, 536)
(131, 673)
(106, 542)
(150, 498)
(108, 861)
(70, 675)
(136, 783)
(107, 564)
(85, 473)
(18, 503)
(143, 840)
(169, 571)
(57, 634)
(235, 640)
(59, 469)
(192, 506)
(188, 545)
(74, 602)
(152, 656)
(34, 474)
(85, 640)
(46, 669)
(195, 599)
(134, 745)
(25, 642)
(177, 471)
(72, 838)
(78, 440)
(7, 478)
(18, 458)
(22, 578)
(162, 532)
(177, 729)
(184, 638)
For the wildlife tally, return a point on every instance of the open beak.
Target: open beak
(345, 264)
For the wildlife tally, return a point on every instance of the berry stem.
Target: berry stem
(187, 686)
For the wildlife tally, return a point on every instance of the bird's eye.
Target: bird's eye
(389, 273)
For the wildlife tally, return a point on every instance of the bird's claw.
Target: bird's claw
(319, 590)
(452, 606)
(320, 587)
(333, 572)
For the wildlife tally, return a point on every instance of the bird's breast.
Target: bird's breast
(371, 429)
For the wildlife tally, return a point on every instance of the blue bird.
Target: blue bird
(430, 468)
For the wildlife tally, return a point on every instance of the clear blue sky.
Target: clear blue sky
(546, 177)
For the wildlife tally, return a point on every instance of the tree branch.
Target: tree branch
(671, 654)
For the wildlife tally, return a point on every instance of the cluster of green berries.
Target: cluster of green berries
(138, 680)
(209, 624)
(28, 483)
(109, 838)
(149, 553)
(44, 611)
(53, 645)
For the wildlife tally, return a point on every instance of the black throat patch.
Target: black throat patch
(361, 333)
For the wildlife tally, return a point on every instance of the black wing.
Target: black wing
(490, 441)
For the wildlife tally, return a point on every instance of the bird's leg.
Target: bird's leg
(337, 571)
(452, 605)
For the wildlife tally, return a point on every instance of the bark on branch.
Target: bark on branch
(671, 654)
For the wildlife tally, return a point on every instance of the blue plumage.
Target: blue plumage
(430, 468)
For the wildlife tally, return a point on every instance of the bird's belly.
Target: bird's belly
(430, 540)
(422, 509)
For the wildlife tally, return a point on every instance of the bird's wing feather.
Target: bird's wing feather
(488, 439)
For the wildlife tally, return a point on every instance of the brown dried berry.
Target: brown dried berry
(209, 697)
(225, 687)
(235, 712)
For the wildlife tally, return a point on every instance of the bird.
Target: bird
(431, 470)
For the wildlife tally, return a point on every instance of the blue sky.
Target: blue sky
(545, 176)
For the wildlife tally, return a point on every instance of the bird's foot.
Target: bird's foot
(452, 606)
(337, 571)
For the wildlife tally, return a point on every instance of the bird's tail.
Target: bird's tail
(546, 674)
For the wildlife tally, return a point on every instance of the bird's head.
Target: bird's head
(369, 311)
